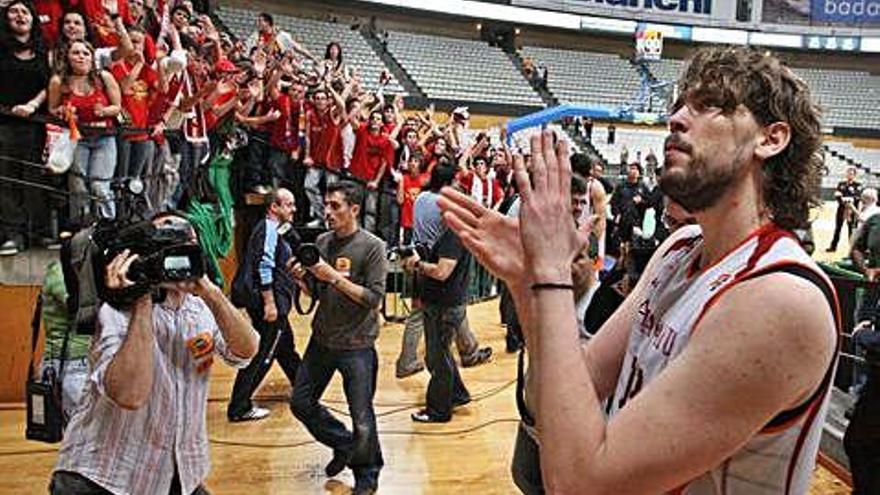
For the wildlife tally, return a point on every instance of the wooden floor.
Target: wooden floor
(277, 456)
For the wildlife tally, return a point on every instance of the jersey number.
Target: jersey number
(633, 383)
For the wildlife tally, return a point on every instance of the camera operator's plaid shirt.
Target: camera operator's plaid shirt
(136, 452)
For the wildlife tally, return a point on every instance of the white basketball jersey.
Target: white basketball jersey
(779, 459)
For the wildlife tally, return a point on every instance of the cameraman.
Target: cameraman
(350, 286)
(140, 427)
(263, 271)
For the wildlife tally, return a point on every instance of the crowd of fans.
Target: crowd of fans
(158, 93)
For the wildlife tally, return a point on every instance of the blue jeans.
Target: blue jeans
(358, 368)
(135, 158)
(191, 156)
(389, 213)
(445, 387)
(94, 161)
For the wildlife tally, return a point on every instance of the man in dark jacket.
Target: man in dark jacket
(862, 439)
(263, 274)
(847, 195)
(628, 203)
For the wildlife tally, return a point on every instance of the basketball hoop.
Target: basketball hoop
(649, 45)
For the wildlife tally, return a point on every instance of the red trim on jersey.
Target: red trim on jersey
(760, 231)
(802, 436)
(765, 243)
(685, 242)
(724, 472)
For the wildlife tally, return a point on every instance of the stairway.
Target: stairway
(412, 88)
(546, 96)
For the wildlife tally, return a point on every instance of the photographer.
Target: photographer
(427, 228)
(350, 276)
(140, 427)
(263, 271)
(443, 282)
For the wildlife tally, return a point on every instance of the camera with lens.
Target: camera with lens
(166, 253)
(403, 252)
(301, 242)
(308, 254)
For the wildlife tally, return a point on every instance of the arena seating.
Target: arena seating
(315, 35)
(586, 78)
(841, 154)
(635, 140)
(461, 70)
(521, 140)
(849, 98)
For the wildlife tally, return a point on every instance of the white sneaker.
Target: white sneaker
(255, 414)
(8, 248)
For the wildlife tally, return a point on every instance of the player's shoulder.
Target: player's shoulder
(786, 305)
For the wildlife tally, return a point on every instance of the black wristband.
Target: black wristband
(552, 286)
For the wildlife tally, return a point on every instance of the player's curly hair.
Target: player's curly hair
(726, 77)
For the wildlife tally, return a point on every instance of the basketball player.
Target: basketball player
(720, 360)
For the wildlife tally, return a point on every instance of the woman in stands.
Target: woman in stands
(333, 66)
(92, 98)
(24, 72)
(75, 27)
(439, 153)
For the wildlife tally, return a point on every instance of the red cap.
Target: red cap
(225, 65)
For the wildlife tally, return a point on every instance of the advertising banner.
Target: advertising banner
(859, 13)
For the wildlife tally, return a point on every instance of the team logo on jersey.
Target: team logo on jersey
(718, 282)
(343, 265)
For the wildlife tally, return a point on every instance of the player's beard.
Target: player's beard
(692, 182)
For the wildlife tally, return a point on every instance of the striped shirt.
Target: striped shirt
(136, 452)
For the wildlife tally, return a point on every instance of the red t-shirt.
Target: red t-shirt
(490, 197)
(85, 107)
(285, 131)
(102, 26)
(325, 141)
(137, 102)
(412, 186)
(370, 150)
(50, 12)
(211, 120)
